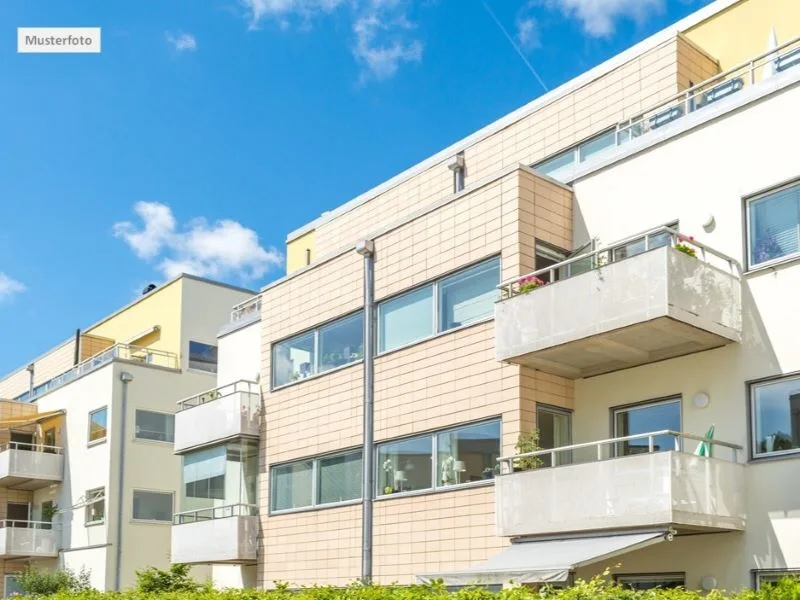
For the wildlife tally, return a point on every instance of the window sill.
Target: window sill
(200, 371)
(147, 441)
(304, 509)
(317, 375)
(440, 490)
(150, 522)
(93, 443)
(433, 337)
(773, 265)
(94, 523)
(775, 456)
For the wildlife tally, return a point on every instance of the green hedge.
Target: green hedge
(597, 589)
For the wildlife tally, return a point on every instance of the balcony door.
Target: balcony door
(646, 418)
(555, 430)
(18, 514)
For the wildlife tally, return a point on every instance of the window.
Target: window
(152, 506)
(463, 455)
(315, 482)
(547, 256)
(559, 161)
(49, 509)
(202, 357)
(12, 587)
(553, 166)
(97, 424)
(155, 426)
(773, 576)
(646, 418)
(775, 407)
(459, 299)
(773, 225)
(555, 430)
(334, 345)
(597, 144)
(95, 505)
(204, 473)
(664, 581)
(223, 475)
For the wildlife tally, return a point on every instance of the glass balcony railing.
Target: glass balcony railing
(248, 309)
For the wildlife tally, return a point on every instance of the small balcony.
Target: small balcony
(220, 414)
(27, 539)
(654, 296)
(26, 466)
(625, 486)
(223, 535)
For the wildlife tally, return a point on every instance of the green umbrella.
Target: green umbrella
(704, 448)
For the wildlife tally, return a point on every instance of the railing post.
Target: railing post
(677, 443)
(599, 452)
(650, 444)
(553, 458)
(752, 72)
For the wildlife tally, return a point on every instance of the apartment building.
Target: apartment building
(87, 470)
(611, 266)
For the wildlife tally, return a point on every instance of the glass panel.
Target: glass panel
(97, 424)
(339, 478)
(557, 162)
(341, 342)
(597, 144)
(95, 510)
(774, 225)
(468, 296)
(555, 430)
(546, 257)
(776, 415)
(405, 466)
(291, 485)
(645, 419)
(650, 582)
(405, 319)
(202, 357)
(13, 587)
(152, 506)
(155, 426)
(293, 359)
(204, 478)
(468, 454)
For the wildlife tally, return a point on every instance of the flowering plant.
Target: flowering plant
(529, 283)
(683, 245)
(766, 249)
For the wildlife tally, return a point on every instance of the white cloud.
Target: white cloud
(528, 33)
(182, 42)
(598, 16)
(9, 287)
(382, 39)
(218, 250)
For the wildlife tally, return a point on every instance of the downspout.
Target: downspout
(77, 357)
(366, 249)
(125, 378)
(31, 368)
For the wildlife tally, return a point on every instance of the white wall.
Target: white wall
(710, 170)
(240, 355)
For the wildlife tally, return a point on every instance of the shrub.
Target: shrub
(528, 442)
(38, 582)
(176, 579)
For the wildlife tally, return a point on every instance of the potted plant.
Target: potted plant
(527, 442)
(683, 245)
(529, 283)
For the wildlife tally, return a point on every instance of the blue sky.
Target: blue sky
(225, 124)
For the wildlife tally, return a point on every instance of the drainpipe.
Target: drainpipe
(366, 249)
(30, 368)
(125, 378)
(77, 357)
(457, 167)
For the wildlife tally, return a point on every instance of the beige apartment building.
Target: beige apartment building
(611, 266)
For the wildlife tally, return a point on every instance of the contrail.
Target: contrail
(515, 46)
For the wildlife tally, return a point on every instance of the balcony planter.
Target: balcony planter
(685, 247)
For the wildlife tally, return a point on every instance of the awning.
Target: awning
(547, 561)
(29, 419)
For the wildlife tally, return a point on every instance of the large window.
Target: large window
(555, 430)
(202, 357)
(773, 225)
(773, 576)
(664, 581)
(334, 345)
(775, 419)
(435, 460)
(95, 506)
(156, 426)
(454, 301)
(152, 506)
(647, 418)
(223, 475)
(557, 166)
(315, 482)
(98, 420)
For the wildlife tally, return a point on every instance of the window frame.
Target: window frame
(135, 519)
(673, 576)
(6, 577)
(155, 412)
(747, 201)
(759, 573)
(434, 284)
(315, 472)
(100, 440)
(197, 369)
(315, 352)
(89, 493)
(434, 434)
(671, 399)
(752, 386)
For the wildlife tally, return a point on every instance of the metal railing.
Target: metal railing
(217, 512)
(614, 252)
(781, 58)
(31, 447)
(147, 356)
(249, 307)
(507, 462)
(243, 385)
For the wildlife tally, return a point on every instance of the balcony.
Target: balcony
(30, 466)
(634, 302)
(33, 539)
(650, 488)
(224, 535)
(220, 414)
